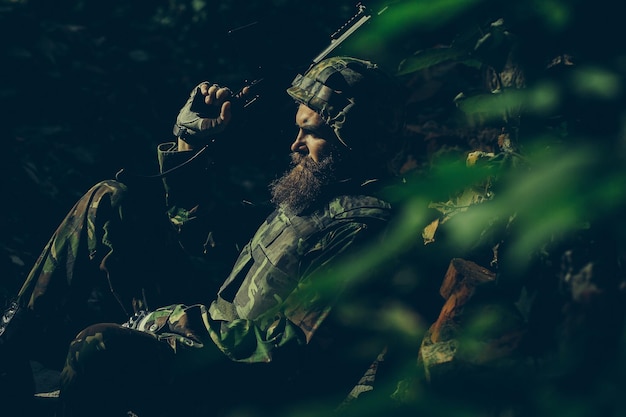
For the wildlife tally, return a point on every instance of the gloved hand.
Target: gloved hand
(206, 113)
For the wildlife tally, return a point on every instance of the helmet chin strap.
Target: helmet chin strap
(337, 123)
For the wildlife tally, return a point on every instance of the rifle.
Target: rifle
(362, 16)
(248, 94)
(243, 101)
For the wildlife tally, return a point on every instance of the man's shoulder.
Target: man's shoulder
(359, 205)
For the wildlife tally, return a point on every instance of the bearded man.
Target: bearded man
(275, 328)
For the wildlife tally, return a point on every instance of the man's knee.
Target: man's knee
(107, 360)
(109, 347)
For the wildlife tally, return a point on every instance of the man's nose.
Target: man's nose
(299, 144)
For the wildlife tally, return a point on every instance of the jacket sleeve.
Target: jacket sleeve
(183, 173)
(292, 323)
(299, 338)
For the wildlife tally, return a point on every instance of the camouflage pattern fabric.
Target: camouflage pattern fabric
(268, 306)
(99, 267)
(60, 289)
(286, 249)
(94, 268)
(76, 236)
(112, 371)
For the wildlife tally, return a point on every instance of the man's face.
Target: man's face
(313, 134)
(313, 164)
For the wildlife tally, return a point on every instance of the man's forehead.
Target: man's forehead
(307, 117)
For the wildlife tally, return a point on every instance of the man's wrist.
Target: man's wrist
(184, 146)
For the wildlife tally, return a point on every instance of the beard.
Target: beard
(303, 185)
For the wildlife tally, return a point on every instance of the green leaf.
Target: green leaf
(430, 57)
(495, 45)
(490, 107)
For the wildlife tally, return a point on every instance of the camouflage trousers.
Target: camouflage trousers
(98, 266)
(114, 254)
(146, 372)
(112, 370)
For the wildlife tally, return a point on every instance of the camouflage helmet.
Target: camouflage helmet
(355, 98)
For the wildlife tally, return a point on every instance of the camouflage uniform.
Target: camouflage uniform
(273, 326)
(90, 270)
(267, 313)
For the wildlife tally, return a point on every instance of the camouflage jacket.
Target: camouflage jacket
(270, 300)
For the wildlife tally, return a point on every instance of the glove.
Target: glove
(206, 113)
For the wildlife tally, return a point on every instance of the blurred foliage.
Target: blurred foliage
(536, 86)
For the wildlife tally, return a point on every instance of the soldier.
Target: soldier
(274, 329)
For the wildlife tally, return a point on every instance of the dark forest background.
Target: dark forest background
(88, 88)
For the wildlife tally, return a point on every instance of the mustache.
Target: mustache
(299, 158)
